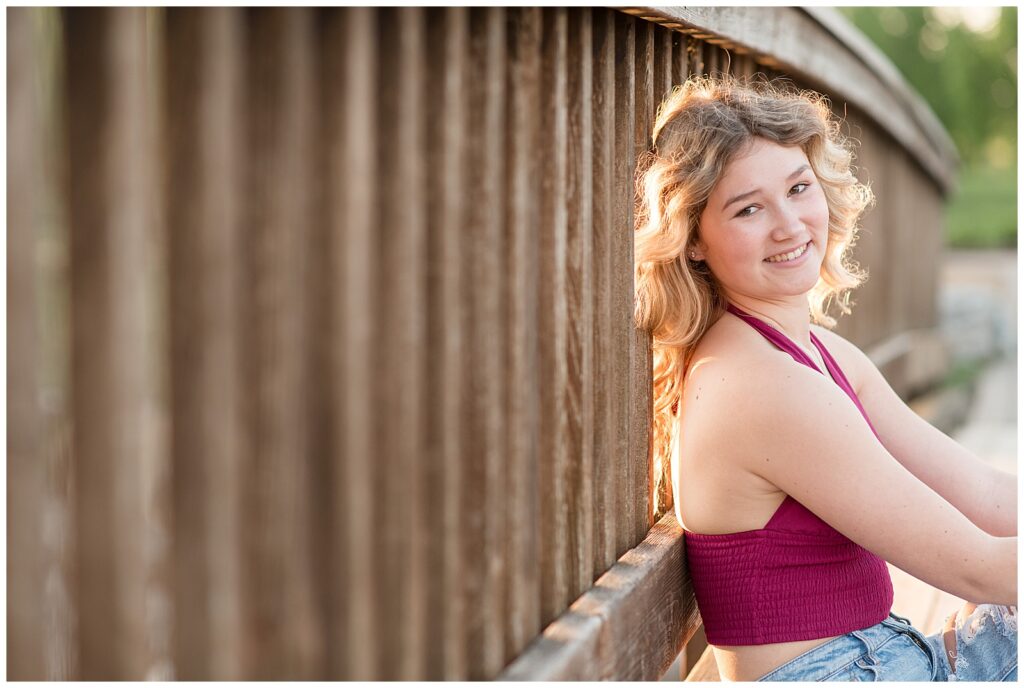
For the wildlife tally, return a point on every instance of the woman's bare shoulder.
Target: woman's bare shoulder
(847, 354)
(730, 345)
(732, 361)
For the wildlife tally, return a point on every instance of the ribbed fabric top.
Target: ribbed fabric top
(795, 579)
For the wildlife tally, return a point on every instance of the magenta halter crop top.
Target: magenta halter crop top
(797, 578)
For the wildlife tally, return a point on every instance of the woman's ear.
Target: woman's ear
(695, 253)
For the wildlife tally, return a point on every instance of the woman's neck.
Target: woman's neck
(790, 317)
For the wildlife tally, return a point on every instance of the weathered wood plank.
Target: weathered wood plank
(483, 245)
(579, 279)
(203, 181)
(680, 57)
(356, 305)
(552, 311)
(641, 402)
(605, 232)
(696, 49)
(626, 506)
(522, 607)
(662, 53)
(26, 641)
(398, 361)
(629, 626)
(284, 636)
(447, 69)
(114, 351)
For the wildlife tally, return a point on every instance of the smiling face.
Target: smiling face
(765, 227)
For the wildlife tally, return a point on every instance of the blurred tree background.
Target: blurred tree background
(963, 61)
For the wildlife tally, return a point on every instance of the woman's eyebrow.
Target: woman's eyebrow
(751, 193)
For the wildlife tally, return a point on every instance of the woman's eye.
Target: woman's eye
(745, 211)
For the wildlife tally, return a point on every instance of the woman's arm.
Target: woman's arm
(993, 586)
(982, 493)
(803, 434)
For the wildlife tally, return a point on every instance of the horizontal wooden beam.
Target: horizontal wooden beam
(821, 47)
(630, 625)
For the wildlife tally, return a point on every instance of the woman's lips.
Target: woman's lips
(795, 261)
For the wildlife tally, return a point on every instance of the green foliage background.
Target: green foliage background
(969, 79)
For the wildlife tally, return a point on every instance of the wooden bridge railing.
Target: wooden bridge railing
(321, 357)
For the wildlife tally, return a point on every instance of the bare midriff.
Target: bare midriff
(751, 662)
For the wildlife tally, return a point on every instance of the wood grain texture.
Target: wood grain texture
(331, 577)
(552, 322)
(622, 281)
(447, 75)
(579, 286)
(400, 237)
(640, 357)
(26, 641)
(695, 50)
(483, 245)
(115, 374)
(284, 639)
(662, 82)
(203, 213)
(356, 308)
(680, 57)
(629, 626)
(523, 159)
(605, 233)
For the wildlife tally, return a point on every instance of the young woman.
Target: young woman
(797, 472)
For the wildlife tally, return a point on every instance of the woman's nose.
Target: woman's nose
(787, 223)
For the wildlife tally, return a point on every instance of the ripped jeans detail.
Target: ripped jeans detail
(986, 645)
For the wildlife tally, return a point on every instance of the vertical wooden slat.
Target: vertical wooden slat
(522, 609)
(114, 353)
(25, 476)
(605, 232)
(482, 242)
(622, 270)
(662, 49)
(329, 543)
(203, 69)
(867, 299)
(640, 358)
(696, 50)
(680, 57)
(355, 307)
(907, 251)
(411, 263)
(552, 321)
(399, 339)
(894, 188)
(51, 368)
(579, 281)
(325, 338)
(446, 114)
(285, 641)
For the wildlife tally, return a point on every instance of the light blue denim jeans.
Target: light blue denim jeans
(893, 650)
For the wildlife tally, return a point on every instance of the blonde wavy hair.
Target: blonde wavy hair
(700, 128)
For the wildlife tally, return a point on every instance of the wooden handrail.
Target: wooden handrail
(825, 51)
(630, 625)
